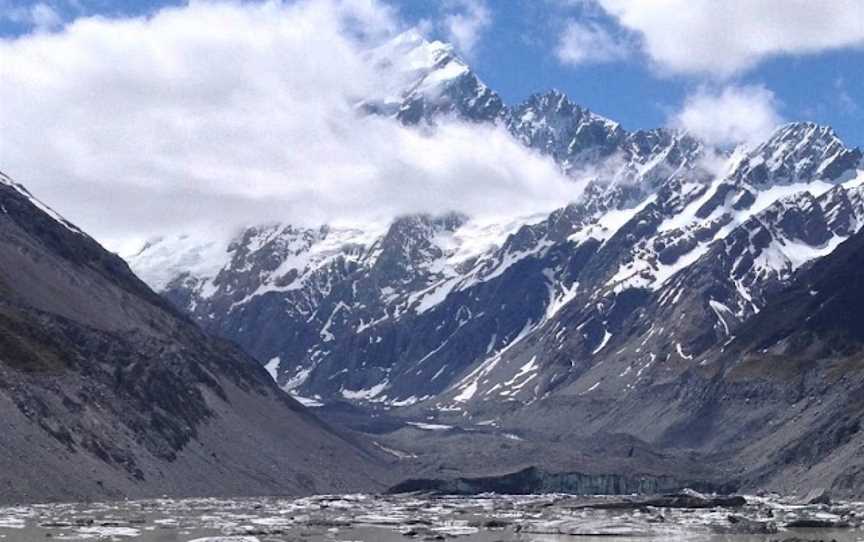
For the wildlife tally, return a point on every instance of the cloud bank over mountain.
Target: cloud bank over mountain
(180, 126)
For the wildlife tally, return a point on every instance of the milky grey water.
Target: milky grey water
(544, 518)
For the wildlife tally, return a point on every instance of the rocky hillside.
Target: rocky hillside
(614, 315)
(107, 391)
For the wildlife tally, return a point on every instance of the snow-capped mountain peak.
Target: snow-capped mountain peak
(427, 79)
(798, 152)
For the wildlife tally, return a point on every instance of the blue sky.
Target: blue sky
(516, 43)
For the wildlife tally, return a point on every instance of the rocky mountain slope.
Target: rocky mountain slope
(614, 315)
(107, 391)
(810, 336)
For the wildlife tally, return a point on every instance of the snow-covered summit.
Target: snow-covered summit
(427, 78)
(798, 152)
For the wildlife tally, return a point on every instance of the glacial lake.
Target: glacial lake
(488, 518)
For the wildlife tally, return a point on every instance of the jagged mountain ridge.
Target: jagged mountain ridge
(433, 83)
(409, 269)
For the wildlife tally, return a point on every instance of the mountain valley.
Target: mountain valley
(691, 312)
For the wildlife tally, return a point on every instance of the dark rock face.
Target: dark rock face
(554, 125)
(818, 310)
(466, 97)
(533, 480)
(107, 391)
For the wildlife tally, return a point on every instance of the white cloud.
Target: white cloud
(589, 43)
(465, 23)
(735, 114)
(724, 37)
(230, 113)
